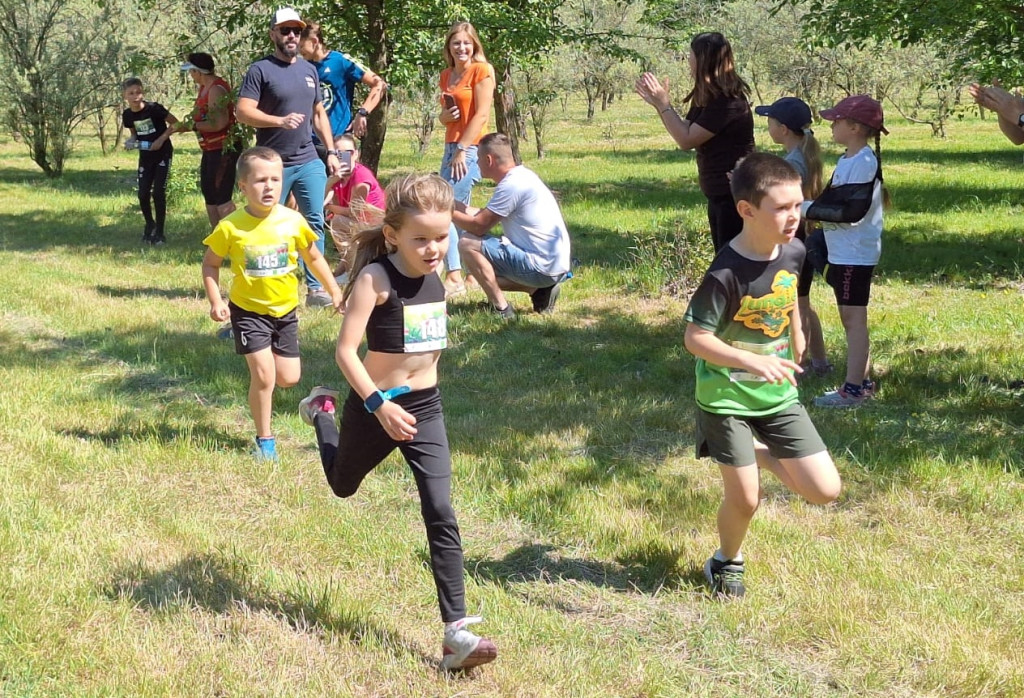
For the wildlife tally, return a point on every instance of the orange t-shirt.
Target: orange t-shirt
(462, 91)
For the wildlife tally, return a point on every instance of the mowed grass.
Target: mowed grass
(145, 553)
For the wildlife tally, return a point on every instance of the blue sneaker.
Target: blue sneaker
(266, 448)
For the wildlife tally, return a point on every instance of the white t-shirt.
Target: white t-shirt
(531, 220)
(857, 243)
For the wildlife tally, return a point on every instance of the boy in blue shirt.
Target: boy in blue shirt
(743, 325)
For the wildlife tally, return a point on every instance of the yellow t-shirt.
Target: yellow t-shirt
(264, 254)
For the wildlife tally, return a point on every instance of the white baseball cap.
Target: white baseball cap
(286, 14)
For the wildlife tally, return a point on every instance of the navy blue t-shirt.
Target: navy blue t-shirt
(149, 123)
(280, 89)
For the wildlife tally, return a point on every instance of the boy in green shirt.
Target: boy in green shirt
(743, 325)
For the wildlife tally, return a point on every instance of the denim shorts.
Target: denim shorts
(512, 263)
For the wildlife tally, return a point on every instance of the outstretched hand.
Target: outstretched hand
(653, 91)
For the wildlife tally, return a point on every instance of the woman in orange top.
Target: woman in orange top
(467, 94)
(212, 118)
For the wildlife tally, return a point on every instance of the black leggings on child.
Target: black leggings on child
(349, 456)
(153, 184)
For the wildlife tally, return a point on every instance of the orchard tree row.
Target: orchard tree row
(61, 61)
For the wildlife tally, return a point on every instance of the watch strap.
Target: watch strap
(377, 398)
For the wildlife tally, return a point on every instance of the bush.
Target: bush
(670, 262)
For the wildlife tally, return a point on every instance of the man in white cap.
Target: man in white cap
(280, 97)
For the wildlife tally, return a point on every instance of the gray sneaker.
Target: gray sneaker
(318, 299)
(320, 399)
(725, 578)
(544, 299)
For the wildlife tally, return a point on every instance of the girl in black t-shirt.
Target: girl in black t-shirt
(151, 126)
(719, 125)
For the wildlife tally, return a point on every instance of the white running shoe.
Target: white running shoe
(462, 649)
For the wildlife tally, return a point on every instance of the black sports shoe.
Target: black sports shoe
(506, 313)
(147, 234)
(544, 298)
(724, 578)
(157, 237)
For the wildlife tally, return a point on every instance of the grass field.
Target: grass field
(143, 552)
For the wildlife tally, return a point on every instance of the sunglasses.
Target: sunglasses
(285, 31)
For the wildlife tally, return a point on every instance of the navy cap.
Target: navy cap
(791, 112)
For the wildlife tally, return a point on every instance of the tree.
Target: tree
(984, 35)
(60, 58)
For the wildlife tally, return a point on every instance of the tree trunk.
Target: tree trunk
(506, 114)
(377, 122)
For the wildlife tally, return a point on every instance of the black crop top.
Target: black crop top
(413, 319)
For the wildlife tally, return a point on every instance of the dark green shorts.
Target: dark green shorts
(729, 439)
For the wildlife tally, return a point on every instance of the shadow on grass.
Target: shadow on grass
(186, 293)
(218, 584)
(646, 572)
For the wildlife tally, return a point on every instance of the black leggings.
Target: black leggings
(362, 444)
(724, 220)
(153, 184)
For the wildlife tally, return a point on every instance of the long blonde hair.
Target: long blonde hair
(405, 196)
(470, 30)
(811, 150)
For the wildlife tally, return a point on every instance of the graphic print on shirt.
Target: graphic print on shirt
(770, 313)
(426, 327)
(144, 127)
(327, 95)
(267, 260)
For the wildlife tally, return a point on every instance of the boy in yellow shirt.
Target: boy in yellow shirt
(264, 241)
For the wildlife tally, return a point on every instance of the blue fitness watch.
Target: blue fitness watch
(379, 397)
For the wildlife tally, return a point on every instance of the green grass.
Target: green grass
(146, 554)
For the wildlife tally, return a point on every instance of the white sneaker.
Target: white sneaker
(320, 399)
(462, 649)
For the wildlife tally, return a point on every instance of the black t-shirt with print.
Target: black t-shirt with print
(748, 304)
(149, 123)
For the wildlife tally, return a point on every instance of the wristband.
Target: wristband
(335, 153)
(461, 148)
(379, 397)
(668, 108)
(361, 111)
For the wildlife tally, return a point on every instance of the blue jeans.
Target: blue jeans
(308, 182)
(510, 262)
(463, 192)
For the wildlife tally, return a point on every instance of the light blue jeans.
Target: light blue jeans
(308, 182)
(463, 192)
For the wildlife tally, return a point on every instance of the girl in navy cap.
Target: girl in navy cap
(789, 125)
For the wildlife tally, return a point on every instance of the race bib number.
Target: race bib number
(263, 261)
(144, 127)
(779, 348)
(426, 327)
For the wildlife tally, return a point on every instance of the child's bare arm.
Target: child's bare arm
(705, 345)
(211, 283)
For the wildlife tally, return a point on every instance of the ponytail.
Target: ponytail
(886, 198)
(815, 168)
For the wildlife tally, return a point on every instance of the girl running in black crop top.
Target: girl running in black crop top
(396, 299)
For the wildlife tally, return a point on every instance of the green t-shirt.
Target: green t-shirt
(748, 304)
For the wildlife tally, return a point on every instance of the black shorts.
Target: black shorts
(729, 439)
(851, 283)
(255, 331)
(217, 176)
